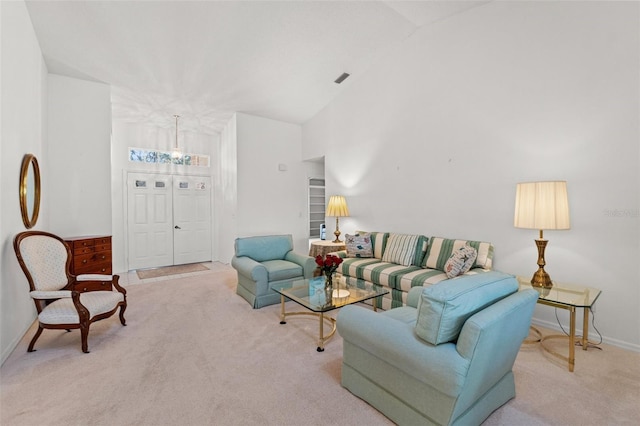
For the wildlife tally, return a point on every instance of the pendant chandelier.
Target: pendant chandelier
(176, 153)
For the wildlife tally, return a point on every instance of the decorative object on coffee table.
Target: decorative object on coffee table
(338, 293)
(542, 205)
(337, 207)
(328, 265)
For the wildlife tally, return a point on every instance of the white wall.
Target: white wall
(142, 135)
(271, 201)
(434, 139)
(79, 155)
(23, 84)
(226, 194)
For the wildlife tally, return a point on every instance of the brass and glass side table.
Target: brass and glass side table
(569, 297)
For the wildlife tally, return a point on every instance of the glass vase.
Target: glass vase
(328, 282)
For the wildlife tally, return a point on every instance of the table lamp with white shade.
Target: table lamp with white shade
(542, 205)
(337, 207)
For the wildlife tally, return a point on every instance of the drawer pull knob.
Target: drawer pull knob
(84, 261)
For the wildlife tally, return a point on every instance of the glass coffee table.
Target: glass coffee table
(310, 293)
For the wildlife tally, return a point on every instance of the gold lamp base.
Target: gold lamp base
(541, 279)
(337, 233)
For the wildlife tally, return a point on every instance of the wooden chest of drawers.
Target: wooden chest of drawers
(90, 254)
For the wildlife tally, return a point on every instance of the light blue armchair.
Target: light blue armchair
(446, 358)
(263, 261)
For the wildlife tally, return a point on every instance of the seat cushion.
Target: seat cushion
(405, 314)
(278, 270)
(63, 311)
(372, 270)
(444, 307)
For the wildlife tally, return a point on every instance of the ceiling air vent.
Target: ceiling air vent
(342, 78)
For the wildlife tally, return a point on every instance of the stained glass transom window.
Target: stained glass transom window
(140, 155)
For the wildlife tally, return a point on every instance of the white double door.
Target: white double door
(168, 219)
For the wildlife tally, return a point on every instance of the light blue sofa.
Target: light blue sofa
(266, 260)
(445, 358)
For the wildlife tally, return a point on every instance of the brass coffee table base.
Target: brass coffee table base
(321, 336)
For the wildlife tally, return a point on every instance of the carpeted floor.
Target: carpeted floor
(170, 270)
(195, 353)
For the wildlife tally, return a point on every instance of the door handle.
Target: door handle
(177, 227)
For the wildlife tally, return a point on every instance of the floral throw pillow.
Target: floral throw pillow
(460, 261)
(358, 245)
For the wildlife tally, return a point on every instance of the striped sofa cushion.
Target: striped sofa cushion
(420, 277)
(383, 273)
(377, 272)
(425, 278)
(353, 266)
(440, 250)
(401, 249)
(421, 250)
(379, 242)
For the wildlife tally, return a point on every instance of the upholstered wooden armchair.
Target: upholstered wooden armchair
(64, 301)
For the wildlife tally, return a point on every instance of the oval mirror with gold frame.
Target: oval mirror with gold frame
(29, 190)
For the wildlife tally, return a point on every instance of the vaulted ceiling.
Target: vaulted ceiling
(205, 60)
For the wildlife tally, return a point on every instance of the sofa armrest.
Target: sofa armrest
(341, 253)
(249, 268)
(491, 339)
(308, 263)
(499, 326)
(395, 342)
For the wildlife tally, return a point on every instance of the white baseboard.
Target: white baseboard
(592, 335)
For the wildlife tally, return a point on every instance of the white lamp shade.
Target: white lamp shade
(337, 206)
(542, 205)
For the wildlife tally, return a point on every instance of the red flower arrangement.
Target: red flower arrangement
(329, 264)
